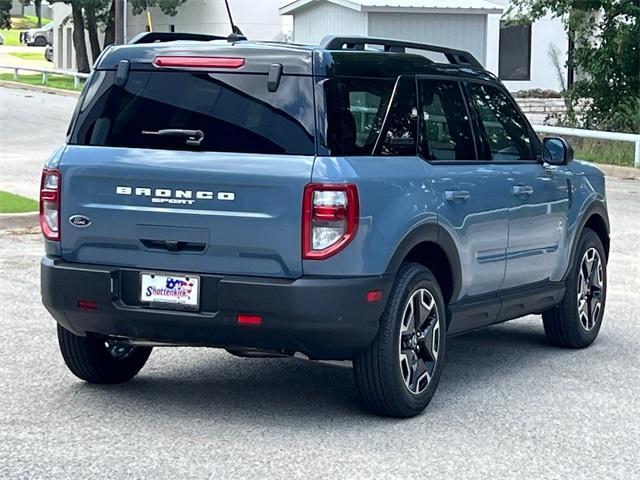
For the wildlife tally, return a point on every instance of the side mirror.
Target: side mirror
(557, 151)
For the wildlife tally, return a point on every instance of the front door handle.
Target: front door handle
(519, 190)
(453, 195)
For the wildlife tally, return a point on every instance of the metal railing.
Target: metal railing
(77, 76)
(598, 134)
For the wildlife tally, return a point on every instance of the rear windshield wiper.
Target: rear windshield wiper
(194, 137)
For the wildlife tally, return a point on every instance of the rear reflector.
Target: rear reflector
(374, 296)
(199, 62)
(249, 319)
(87, 304)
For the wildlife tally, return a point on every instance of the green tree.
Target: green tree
(606, 55)
(5, 14)
(37, 4)
(168, 7)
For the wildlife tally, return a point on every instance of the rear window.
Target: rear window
(233, 112)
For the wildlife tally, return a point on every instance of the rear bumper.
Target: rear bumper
(324, 318)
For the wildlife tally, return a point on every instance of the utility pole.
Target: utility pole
(119, 21)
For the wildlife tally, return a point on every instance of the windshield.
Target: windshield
(222, 112)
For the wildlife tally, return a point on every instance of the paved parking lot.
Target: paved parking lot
(508, 405)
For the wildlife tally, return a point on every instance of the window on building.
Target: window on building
(515, 52)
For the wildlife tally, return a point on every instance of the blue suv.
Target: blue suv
(358, 200)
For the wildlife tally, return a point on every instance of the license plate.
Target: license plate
(170, 291)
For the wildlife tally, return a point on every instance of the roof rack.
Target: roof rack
(153, 37)
(455, 57)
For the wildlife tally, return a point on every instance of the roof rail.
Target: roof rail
(456, 57)
(153, 37)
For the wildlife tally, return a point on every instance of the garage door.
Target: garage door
(463, 31)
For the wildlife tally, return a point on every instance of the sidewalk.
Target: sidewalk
(6, 59)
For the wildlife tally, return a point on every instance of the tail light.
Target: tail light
(50, 204)
(329, 219)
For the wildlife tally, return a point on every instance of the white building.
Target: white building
(258, 19)
(519, 55)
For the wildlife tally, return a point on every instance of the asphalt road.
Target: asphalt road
(508, 405)
(32, 124)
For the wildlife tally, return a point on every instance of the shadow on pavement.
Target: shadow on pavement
(281, 390)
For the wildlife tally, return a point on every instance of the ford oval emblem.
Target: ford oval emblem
(79, 221)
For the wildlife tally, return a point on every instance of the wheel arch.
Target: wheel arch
(596, 218)
(432, 246)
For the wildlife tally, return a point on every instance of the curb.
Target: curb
(625, 173)
(18, 220)
(39, 88)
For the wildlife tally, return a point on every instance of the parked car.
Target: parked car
(331, 201)
(1, 39)
(48, 53)
(39, 37)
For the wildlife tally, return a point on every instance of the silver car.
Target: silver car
(39, 37)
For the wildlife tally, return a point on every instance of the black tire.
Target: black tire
(563, 324)
(379, 376)
(40, 42)
(89, 359)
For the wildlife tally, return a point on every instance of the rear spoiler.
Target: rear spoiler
(161, 37)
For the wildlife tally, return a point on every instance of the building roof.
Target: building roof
(415, 6)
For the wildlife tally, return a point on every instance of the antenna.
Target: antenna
(236, 33)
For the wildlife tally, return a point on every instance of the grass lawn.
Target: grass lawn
(11, 203)
(28, 55)
(603, 151)
(12, 37)
(55, 81)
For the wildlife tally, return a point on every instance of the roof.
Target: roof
(327, 59)
(412, 6)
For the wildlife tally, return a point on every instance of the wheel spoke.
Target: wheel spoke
(430, 342)
(419, 340)
(582, 313)
(426, 304)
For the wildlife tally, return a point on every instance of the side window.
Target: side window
(369, 116)
(505, 131)
(445, 130)
(400, 127)
(364, 107)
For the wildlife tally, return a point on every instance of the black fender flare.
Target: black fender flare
(429, 232)
(595, 208)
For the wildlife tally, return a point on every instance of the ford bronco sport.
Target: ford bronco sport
(358, 200)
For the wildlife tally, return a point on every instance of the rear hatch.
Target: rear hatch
(189, 170)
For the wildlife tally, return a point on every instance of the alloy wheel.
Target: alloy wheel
(590, 289)
(419, 340)
(118, 349)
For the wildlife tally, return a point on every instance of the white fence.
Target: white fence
(45, 74)
(573, 132)
(598, 134)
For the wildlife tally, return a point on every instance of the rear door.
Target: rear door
(471, 198)
(189, 171)
(538, 196)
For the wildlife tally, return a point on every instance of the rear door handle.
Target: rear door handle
(453, 195)
(519, 190)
